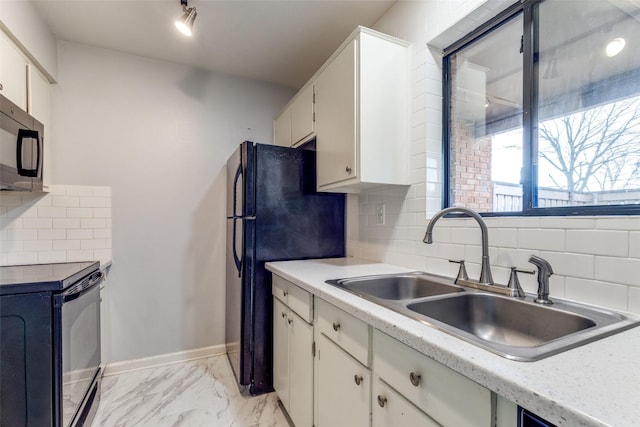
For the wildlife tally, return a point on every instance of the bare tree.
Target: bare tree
(594, 150)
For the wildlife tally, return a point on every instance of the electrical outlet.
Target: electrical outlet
(380, 214)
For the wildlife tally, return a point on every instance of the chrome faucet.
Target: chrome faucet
(544, 271)
(485, 269)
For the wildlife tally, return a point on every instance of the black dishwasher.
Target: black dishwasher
(529, 419)
(50, 364)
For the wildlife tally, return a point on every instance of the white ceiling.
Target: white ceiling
(277, 41)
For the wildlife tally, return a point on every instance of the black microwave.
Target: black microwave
(21, 149)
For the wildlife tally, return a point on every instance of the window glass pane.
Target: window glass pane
(588, 103)
(485, 129)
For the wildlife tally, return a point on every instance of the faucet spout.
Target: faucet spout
(485, 270)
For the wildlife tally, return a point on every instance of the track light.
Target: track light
(614, 47)
(185, 23)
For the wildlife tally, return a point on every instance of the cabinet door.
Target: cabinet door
(282, 129)
(390, 409)
(336, 118)
(281, 351)
(343, 388)
(300, 371)
(302, 115)
(13, 72)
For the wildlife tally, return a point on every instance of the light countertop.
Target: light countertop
(597, 384)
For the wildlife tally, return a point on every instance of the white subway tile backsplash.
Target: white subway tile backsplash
(22, 258)
(84, 233)
(598, 293)
(599, 242)
(93, 202)
(51, 212)
(52, 234)
(634, 244)
(618, 270)
(79, 212)
(53, 256)
(69, 223)
(65, 202)
(66, 245)
(37, 222)
(81, 191)
(542, 239)
(66, 223)
(85, 255)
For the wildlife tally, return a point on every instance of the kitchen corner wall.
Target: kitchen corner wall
(595, 259)
(159, 134)
(69, 223)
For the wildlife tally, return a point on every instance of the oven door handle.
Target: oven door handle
(76, 291)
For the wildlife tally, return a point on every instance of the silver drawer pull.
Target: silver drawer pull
(415, 378)
(358, 379)
(382, 400)
(336, 326)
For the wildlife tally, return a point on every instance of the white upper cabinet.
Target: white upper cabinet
(295, 124)
(302, 118)
(362, 105)
(13, 72)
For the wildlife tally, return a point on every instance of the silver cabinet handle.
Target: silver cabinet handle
(382, 400)
(358, 379)
(284, 314)
(290, 321)
(336, 326)
(347, 169)
(415, 379)
(285, 293)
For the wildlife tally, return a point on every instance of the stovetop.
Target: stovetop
(43, 277)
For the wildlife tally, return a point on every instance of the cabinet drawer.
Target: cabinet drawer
(348, 332)
(446, 396)
(298, 300)
(390, 409)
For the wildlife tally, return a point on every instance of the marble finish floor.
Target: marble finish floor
(191, 394)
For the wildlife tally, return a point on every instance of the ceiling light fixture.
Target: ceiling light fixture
(615, 46)
(185, 23)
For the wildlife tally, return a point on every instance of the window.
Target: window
(542, 111)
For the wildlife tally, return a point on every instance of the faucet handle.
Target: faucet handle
(462, 272)
(514, 282)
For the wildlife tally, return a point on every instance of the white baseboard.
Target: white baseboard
(163, 359)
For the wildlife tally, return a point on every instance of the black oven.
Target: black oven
(21, 149)
(77, 367)
(50, 365)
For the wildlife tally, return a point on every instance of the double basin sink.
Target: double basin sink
(515, 328)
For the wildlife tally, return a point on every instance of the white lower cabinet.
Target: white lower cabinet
(390, 409)
(361, 377)
(293, 362)
(444, 395)
(343, 387)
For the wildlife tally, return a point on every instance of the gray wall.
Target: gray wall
(159, 134)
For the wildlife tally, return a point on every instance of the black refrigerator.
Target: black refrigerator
(273, 213)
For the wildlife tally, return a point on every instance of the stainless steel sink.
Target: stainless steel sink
(515, 328)
(399, 286)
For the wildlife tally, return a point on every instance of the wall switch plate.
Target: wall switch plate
(380, 214)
